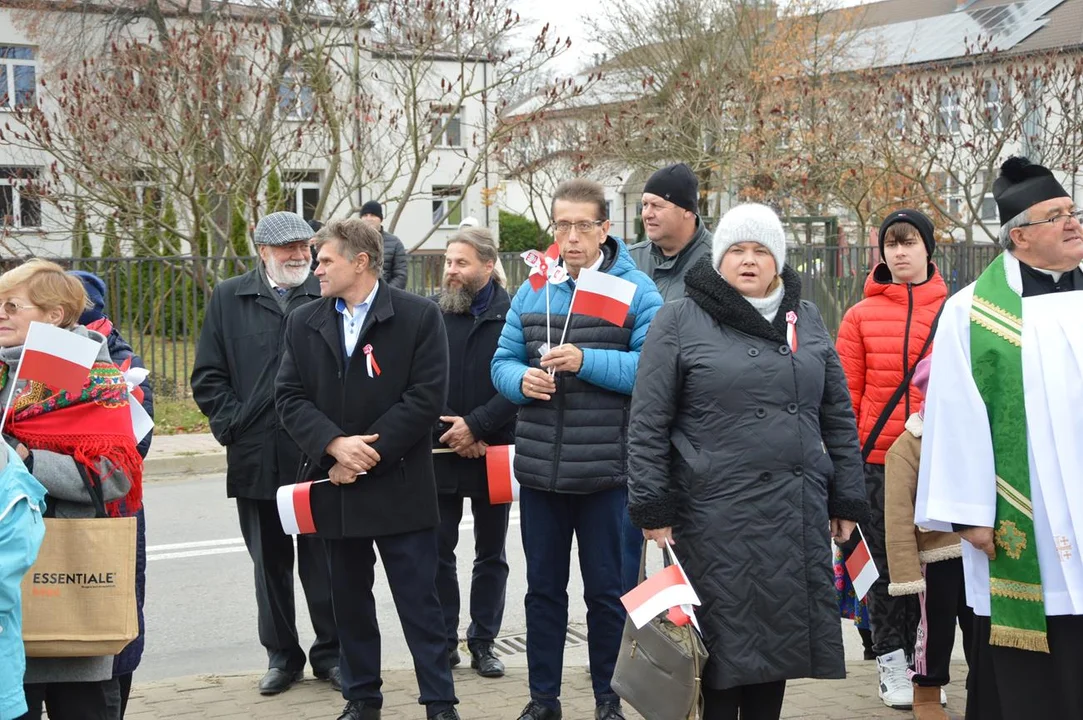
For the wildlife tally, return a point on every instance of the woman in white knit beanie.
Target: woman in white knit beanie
(743, 449)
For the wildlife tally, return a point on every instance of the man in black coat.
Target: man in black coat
(474, 306)
(363, 380)
(233, 383)
(394, 251)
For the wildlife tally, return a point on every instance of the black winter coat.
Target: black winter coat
(747, 450)
(320, 397)
(668, 272)
(471, 395)
(237, 358)
(395, 263)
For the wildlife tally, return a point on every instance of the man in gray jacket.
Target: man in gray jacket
(394, 252)
(677, 238)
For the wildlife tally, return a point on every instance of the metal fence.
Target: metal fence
(158, 303)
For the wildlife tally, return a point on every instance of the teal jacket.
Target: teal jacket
(22, 499)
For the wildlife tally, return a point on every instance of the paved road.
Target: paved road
(201, 610)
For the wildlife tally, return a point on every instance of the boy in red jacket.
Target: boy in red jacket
(880, 342)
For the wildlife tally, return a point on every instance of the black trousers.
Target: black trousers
(69, 700)
(116, 695)
(489, 580)
(747, 702)
(272, 553)
(409, 562)
(943, 604)
(1010, 684)
(893, 620)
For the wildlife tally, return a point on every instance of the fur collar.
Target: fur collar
(728, 307)
(915, 424)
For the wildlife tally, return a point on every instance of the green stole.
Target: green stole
(996, 360)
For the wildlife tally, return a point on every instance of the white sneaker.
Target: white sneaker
(943, 698)
(896, 690)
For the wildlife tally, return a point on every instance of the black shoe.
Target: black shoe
(358, 710)
(609, 711)
(277, 681)
(333, 674)
(453, 657)
(537, 711)
(484, 661)
(449, 714)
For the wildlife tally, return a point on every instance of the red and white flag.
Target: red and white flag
(604, 296)
(57, 357)
(666, 589)
(500, 467)
(295, 508)
(142, 423)
(862, 569)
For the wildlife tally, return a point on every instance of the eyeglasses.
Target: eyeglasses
(582, 227)
(1076, 215)
(10, 307)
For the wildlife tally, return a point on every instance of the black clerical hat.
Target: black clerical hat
(1022, 184)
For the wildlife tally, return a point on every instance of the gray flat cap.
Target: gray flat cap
(282, 228)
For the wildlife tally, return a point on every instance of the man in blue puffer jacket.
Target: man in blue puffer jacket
(22, 499)
(120, 351)
(571, 458)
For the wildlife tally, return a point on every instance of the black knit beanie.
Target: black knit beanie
(677, 184)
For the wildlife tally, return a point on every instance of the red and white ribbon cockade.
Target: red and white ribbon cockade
(791, 330)
(668, 588)
(295, 508)
(500, 468)
(370, 362)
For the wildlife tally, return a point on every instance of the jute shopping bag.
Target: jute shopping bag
(79, 597)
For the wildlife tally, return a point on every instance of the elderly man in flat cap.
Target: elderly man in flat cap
(1002, 452)
(237, 360)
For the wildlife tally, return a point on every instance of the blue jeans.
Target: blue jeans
(548, 521)
(632, 552)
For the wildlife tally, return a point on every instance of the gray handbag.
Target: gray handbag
(659, 667)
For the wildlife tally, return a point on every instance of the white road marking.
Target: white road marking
(207, 548)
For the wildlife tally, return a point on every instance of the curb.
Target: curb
(161, 467)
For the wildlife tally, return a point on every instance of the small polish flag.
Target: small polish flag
(604, 296)
(862, 569)
(57, 357)
(500, 467)
(666, 589)
(142, 423)
(295, 508)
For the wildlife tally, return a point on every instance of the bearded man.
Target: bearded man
(474, 305)
(233, 382)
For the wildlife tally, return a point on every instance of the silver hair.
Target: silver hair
(1005, 235)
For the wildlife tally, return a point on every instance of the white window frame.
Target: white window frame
(948, 112)
(17, 196)
(296, 100)
(442, 196)
(7, 93)
(988, 202)
(899, 116)
(442, 122)
(294, 184)
(993, 96)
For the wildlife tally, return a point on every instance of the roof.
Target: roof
(168, 8)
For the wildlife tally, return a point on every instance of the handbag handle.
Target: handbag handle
(667, 560)
(97, 497)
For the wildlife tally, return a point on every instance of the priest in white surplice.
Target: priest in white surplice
(1002, 452)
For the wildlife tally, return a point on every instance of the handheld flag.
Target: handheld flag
(604, 296)
(142, 423)
(666, 589)
(295, 508)
(57, 358)
(862, 569)
(500, 467)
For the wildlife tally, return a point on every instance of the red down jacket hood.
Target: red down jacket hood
(890, 324)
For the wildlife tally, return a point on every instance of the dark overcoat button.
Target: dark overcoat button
(764, 477)
(792, 408)
(761, 413)
(784, 349)
(753, 352)
(798, 470)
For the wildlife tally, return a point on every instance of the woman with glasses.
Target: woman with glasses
(67, 442)
(743, 453)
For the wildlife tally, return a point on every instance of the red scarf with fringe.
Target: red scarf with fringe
(96, 424)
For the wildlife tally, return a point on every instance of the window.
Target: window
(447, 209)
(17, 76)
(988, 202)
(446, 128)
(899, 119)
(948, 116)
(1033, 126)
(609, 209)
(302, 191)
(994, 105)
(296, 100)
(20, 206)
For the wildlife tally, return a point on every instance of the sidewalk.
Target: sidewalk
(235, 697)
(176, 455)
